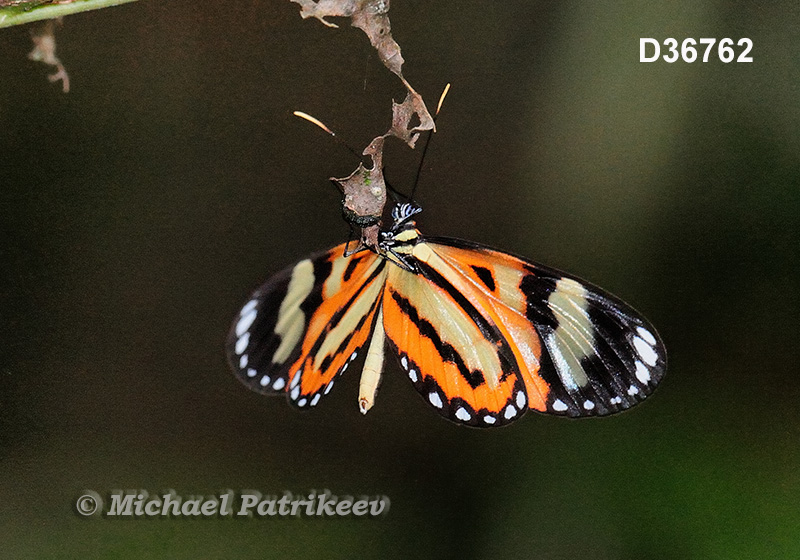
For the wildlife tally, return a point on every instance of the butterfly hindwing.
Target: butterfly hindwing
(306, 324)
(455, 356)
(339, 328)
(592, 354)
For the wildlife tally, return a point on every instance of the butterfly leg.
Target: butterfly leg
(350, 238)
(406, 262)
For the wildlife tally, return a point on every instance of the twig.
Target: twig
(17, 15)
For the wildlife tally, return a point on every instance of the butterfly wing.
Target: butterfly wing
(306, 324)
(580, 350)
(453, 352)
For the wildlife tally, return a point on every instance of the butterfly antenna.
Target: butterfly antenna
(428, 141)
(396, 195)
(319, 123)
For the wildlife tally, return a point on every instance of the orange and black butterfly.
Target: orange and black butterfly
(482, 335)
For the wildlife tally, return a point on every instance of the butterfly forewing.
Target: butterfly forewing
(594, 354)
(452, 351)
(305, 325)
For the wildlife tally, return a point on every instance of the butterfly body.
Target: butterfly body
(482, 335)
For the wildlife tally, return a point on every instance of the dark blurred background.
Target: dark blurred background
(139, 210)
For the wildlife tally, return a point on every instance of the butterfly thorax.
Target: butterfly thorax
(397, 244)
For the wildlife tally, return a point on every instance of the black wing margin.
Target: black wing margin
(266, 335)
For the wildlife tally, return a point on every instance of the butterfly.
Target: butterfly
(483, 336)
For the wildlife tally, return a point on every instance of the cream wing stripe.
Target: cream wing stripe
(573, 337)
(477, 352)
(334, 281)
(346, 325)
(291, 321)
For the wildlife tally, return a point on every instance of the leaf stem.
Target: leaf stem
(17, 15)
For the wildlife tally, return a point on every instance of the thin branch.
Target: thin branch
(17, 15)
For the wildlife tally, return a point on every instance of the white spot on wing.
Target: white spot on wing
(559, 406)
(616, 400)
(264, 381)
(462, 414)
(646, 335)
(510, 412)
(435, 399)
(302, 402)
(588, 405)
(633, 390)
(295, 380)
(295, 393)
(279, 384)
(328, 387)
(315, 400)
(489, 419)
(241, 344)
(245, 321)
(248, 307)
(412, 375)
(642, 373)
(404, 362)
(520, 400)
(243, 361)
(251, 372)
(645, 351)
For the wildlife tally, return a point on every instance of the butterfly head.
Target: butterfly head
(402, 215)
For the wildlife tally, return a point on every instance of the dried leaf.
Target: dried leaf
(363, 196)
(375, 151)
(402, 114)
(372, 17)
(364, 190)
(44, 50)
(326, 8)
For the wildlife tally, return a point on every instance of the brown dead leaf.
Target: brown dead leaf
(44, 50)
(372, 17)
(363, 196)
(326, 8)
(364, 190)
(402, 114)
